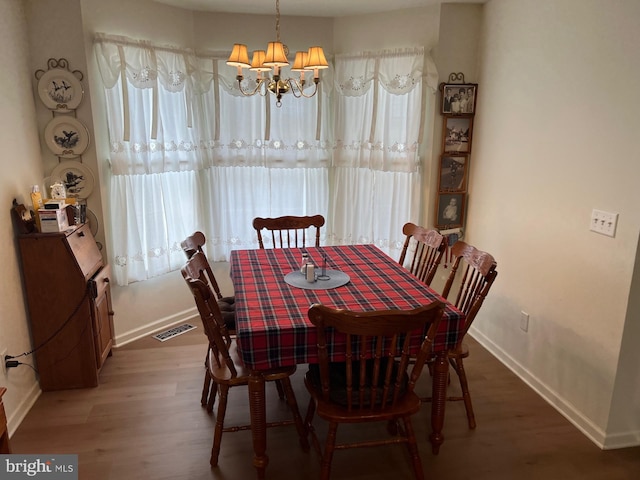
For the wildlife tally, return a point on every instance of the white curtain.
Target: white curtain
(379, 115)
(190, 152)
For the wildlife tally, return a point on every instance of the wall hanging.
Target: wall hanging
(458, 107)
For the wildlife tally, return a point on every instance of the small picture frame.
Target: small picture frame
(450, 210)
(456, 134)
(453, 173)
(459, 98)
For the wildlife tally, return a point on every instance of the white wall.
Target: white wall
(22, 167)
(554, 138)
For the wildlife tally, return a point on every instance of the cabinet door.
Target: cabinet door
(102, 314)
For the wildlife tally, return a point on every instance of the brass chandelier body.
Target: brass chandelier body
(274, 58)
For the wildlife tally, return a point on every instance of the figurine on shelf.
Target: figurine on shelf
(24, 221)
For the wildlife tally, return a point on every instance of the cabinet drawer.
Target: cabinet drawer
(100, 282)
(85, 250)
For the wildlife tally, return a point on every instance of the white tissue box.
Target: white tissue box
(52, 221)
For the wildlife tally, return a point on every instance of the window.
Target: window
(189, 152)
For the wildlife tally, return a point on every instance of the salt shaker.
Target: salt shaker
(310, 273)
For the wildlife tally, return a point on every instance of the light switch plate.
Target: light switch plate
(604, 223)
(524, 321)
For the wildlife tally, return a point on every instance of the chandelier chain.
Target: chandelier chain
(277, 20)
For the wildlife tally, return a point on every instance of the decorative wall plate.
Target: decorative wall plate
(92, 220)
(66, 137)
(77, 178)
(60, 90)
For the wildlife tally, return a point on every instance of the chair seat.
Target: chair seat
(228, 309)
(227, 304)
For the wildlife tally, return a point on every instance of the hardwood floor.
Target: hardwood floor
(144, 421)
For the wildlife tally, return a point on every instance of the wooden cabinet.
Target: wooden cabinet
(69, 301)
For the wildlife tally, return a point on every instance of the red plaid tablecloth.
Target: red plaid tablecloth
(272, 326)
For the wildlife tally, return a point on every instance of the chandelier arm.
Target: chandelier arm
(295, 85)
(258, 88)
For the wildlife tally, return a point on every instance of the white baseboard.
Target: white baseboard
(582, 423)
(158, 325)
(18, 414)
(622, 440)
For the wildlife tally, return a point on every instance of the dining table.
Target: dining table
(272, 299)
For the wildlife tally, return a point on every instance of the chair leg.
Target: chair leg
(308, 423)
(329, 447)
(293, 405)
(205, 388)
(412, 445)
(466, 395)
(280, 389)
(217, 433)
(212, 397)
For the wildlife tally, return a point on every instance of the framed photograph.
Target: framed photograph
(459, 99)
(453, 173)
(456, 134)
(450, 210)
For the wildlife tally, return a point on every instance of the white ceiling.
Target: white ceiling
(311, 8)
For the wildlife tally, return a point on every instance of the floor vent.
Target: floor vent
(173, 332)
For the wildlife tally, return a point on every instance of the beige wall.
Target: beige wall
(21, 167)
(553, 139)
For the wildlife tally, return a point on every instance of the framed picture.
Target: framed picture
(453, 173)
(459, 99)
(456, 134)
(450, 210)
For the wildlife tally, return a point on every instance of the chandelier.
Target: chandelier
(274, 58)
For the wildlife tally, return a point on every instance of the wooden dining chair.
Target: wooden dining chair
(288, 231)
(422, 251)
(225, 367)
(192, 245)
(376, 381)
(195, 243)
(478, 272)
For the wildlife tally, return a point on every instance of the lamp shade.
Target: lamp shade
(239, 56)
(257, 62)
(316, 59)
(275, 55)
(300, 62)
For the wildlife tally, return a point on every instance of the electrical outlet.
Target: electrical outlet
(604, 222)
(524, 321)
(2, 360)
